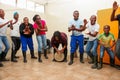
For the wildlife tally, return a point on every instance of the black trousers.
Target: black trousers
(15, 44)
(65, 50)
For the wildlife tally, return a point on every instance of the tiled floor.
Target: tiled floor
(48, 70)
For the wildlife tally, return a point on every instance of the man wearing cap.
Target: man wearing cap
(15, 37)
(57, 39)
(3, 37)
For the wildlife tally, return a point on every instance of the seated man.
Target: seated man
(104, 41)
(57, 39)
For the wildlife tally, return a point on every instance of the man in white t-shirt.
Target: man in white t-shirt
(3, 38)
(91, 47)
(15, 37)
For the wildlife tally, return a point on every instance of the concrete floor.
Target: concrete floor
(48, 70)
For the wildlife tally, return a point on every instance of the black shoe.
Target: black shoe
(14, 60)
(70, 63)
(25, 61)
(16, 57)
(1, 65)
(4, 59)
(91, 62)
(81, 61)
(54, 60)
(39, 60)
(64, 60)
(46, 57)
(33, 57)
(94, 66)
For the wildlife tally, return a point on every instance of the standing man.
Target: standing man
(57, 39)
(40, 29)
(76, 26)
(26, 32)
(3, 38)
(91, 47)
(104, 40)
(15, 36)
(116, 18)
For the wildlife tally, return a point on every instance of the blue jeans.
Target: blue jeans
(102, 50)
(91, 47)
(26, 41)
(117, 49)
(4, 40)
(73, 43)
(42, 43)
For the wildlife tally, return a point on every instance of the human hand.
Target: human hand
(115, 5)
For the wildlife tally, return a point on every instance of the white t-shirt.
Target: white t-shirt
(77, 24)
(3, 30)
(92, 29)
(15, 31)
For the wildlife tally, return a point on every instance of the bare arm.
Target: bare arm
(4, 24)
(115, 7)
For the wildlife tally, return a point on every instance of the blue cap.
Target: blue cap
(15, 13)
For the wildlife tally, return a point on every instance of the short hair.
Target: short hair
(108, 26)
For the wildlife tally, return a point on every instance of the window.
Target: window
(21, 3)
(30, 5)
(39, 8)
(9, 2)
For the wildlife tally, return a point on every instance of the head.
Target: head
(57, 35)
(26, 20)
(93, 19)
(106, 29)
(2, 13)
(36, 18)
(16, 15)
(76, 15)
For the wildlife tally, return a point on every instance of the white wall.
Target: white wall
(59, 13)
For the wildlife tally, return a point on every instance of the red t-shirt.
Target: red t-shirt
(35, 26)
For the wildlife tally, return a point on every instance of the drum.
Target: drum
(117, 49)
(59, 56)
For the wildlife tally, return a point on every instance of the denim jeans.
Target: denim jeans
(117, 49)
(109, 51)
(4, 40)
(91, 47)
(42, 43)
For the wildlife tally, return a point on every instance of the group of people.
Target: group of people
(21, 33)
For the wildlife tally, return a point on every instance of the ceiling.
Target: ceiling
(43, 1)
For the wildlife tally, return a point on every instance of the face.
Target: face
(16, 16)
(38, 19)
(26, 20)
(76, 15)
(93, 19)
(56, 38)
(2, 14)
(106, 29)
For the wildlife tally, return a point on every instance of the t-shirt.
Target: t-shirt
(92, 29)
(77, 24)
(106, 39)
(118, 18)
(3, 30)
(15, 31)
(35, 26)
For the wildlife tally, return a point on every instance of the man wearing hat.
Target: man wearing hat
(57, 39)
(15, 37)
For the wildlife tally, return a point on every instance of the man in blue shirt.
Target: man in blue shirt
(76, 25)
